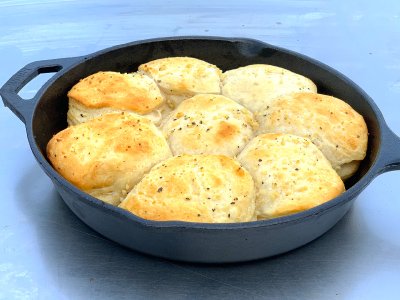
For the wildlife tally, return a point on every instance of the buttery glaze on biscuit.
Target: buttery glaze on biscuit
(180, 78)
(106, 156)
(255, 86)
(194, 188)
(290, 173)
(334, 126)
(209, 124)
(106, 92)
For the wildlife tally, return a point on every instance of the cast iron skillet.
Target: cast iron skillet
(45, 115)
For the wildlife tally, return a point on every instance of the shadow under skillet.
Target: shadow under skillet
(81, 264)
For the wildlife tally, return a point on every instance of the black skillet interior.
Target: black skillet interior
(50, 113)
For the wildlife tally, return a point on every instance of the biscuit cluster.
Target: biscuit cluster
(181, 140)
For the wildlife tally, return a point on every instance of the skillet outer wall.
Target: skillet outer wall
(207, 244)
(200, 243)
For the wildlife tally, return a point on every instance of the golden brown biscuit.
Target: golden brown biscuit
(194, 188)
(209, 124)
(255, 86)
(330, 123)
(106, 92)
(106, 156)
(181, 78)
(290, 173)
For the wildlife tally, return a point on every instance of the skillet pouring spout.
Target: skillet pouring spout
(45, 114)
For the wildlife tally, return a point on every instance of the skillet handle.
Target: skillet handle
(389, 156)
(9, 92)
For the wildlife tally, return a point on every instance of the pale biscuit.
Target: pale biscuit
(334, 126)
(194, 188)
(209, 124)
(290, 173)
(255, 86)
(180, 78)
(107, 92)
(106, 156)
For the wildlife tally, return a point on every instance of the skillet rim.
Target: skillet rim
(347, 196)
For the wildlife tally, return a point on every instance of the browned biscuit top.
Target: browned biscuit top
(183, 77)
(291, 174)
(194, 188)
(330, 123)
(209, 124)
(255, 86)
(108, 155)
(135, 92)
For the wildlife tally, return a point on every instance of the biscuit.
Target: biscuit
(254, 86)
(107, 92)
(106, 156)
(194, 188)
(209, 124)
(330, 123)
(290, 173)
(180, 78)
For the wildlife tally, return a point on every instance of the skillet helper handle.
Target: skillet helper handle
(389, 157)
(9, 92)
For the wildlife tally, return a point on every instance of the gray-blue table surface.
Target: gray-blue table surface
(46, 252)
